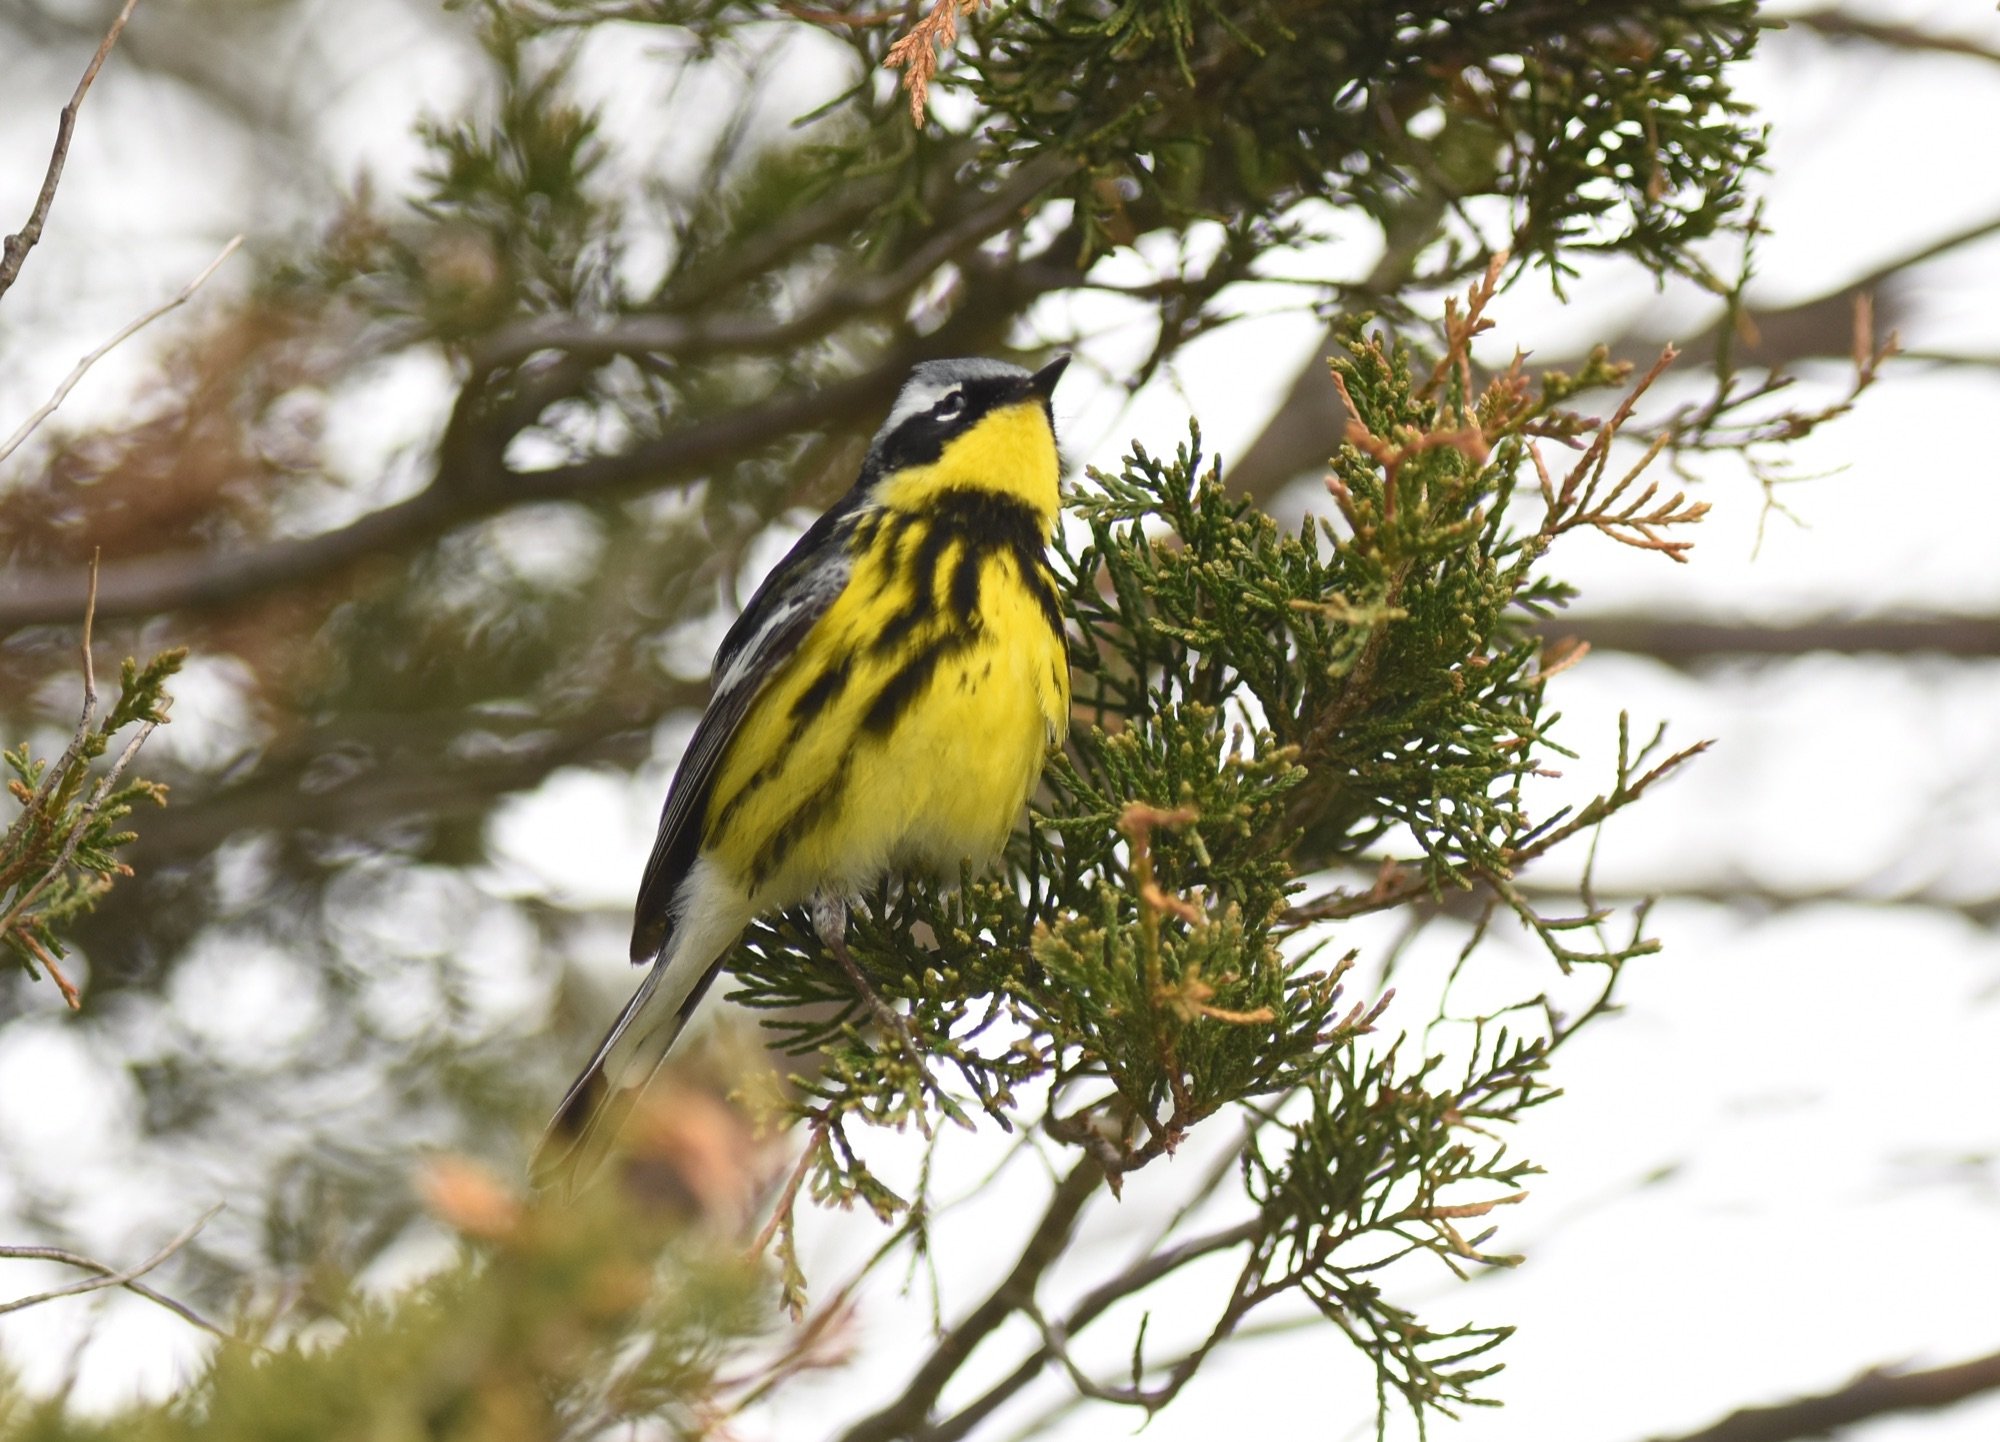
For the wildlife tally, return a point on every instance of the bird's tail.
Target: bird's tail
(594, 1110)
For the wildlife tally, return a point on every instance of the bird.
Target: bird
(883, 707)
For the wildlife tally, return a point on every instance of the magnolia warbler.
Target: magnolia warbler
(883, 705)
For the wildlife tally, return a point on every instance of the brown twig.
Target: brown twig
(1137, 823)
(15, 252)
(1457, 428)
(1577, 500)
(790, 1194)
(816, 1344)
(70, 995)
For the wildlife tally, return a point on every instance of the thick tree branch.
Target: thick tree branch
(1307, 426)
(1878, 1392)
(689, 336)
(416, 782)
(1136, 1278)
(197, 580)
(17, 246)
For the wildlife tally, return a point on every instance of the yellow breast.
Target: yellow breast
(912, 723)
(1011, 452)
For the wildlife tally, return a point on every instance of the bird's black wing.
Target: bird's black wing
(794, 596)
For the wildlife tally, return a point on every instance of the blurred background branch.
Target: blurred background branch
(107, 1276)
(1878, 1392)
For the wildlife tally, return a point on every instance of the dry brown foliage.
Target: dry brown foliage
(916, 54)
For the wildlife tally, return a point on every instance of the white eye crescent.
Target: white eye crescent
(950, 408)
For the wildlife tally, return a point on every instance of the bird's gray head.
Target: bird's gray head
(942, 398)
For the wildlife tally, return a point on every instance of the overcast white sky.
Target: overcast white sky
(1813, 1091)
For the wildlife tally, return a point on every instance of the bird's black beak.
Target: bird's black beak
(1043, 382)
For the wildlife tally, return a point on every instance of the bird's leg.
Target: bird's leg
(829, 916)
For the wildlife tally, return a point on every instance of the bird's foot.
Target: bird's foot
(829, 915)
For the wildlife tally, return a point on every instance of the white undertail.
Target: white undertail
(710, 913)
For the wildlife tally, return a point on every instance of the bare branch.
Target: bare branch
(910, 1412)
(203, 579)
(1878, 1392)
(1980, 910)
(48, 407)
(1683, 642)
(1837, 24)
(689, 336)
(88, 712)
(106, 1276)
(1308, 424)
(1136, 1278)
(1408, 884)
(15, 252)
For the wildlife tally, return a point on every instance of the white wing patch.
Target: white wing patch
(804, 599)
(753, 656)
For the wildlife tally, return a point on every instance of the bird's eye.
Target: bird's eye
(951, 407)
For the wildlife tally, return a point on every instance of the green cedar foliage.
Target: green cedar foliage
(1260, 715)
(60, 850)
